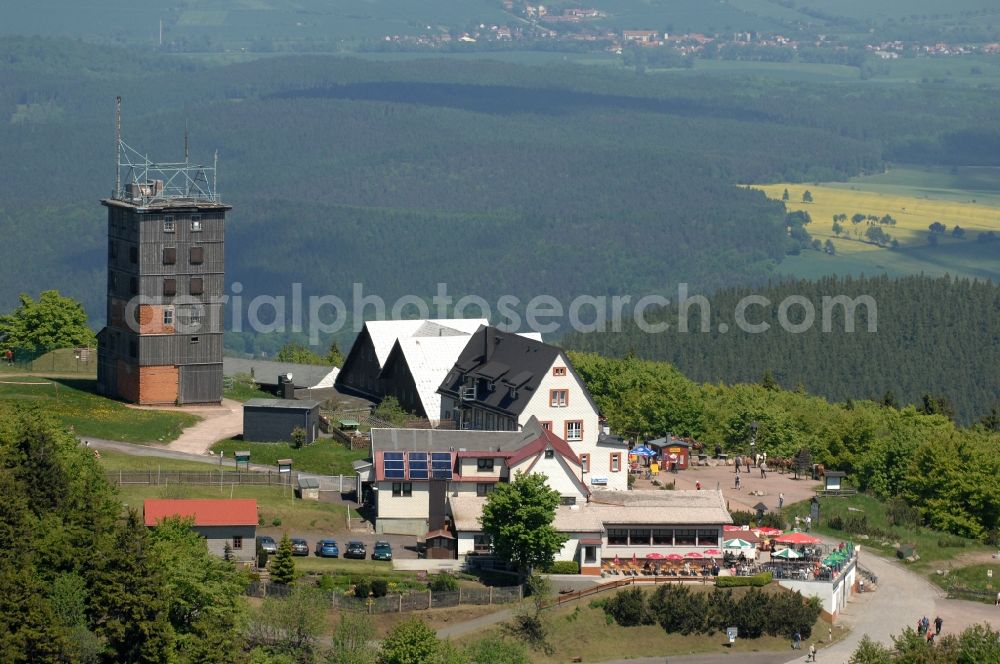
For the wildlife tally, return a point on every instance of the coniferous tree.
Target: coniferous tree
(283, 566)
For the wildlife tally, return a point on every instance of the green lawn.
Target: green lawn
(75, 403)
(927, 542)
(325, 456)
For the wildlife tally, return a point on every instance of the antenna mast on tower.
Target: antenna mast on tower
(118, 145)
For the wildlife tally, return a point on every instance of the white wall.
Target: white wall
(416, 506)
(578, 408)
(559, 475)
(833, 596)
(468, 468)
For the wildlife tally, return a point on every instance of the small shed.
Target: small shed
(307, 488)
(440, 544)
(674, 450)
(834, 480)
(273, 420)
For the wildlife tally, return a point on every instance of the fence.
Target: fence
(258, 478)
(400, 603)
(961, 592)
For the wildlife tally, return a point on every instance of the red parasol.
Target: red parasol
(674, 556)
(713, 552)
(769, 532)
(693, 554)
(797, 538)
(655, 556)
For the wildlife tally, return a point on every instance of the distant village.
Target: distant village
(579, 28)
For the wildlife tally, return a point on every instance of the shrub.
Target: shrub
(380, 587)
(362, 588)
(275, 521)
(443, 582)
(900, 513)
(327, 583)
(564, 567)
(628, 608)
(756, 581)
(742, 518)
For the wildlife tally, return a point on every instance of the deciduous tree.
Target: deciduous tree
(518, 516)
(53, 321)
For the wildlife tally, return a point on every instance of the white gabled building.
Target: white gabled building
(371, 349)
(502, 380)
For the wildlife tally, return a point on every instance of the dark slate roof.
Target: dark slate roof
(449, 440)
(282, 404)
(509, 360)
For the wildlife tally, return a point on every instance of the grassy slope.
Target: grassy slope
(581, 629)
(74, 403)
(913, 214)
(925, 540)
(324, 456)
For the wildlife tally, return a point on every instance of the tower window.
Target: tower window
(194, 340)
(197, 286)
(169, 255)
(197, 256)
(168, 316)
(196, 222)
(170, 287)
(168, 224)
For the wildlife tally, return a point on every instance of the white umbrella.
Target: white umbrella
(737, 544)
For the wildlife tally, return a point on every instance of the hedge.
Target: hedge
(757, 580)
(563, 567)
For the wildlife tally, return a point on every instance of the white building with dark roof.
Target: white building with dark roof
(502, 380)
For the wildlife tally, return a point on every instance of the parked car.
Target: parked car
(382, 551)
(266, 543)
(327, 548)
(356, 549)
(300, 547)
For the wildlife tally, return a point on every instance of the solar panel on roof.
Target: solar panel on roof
(417, 465)
(441, 465)
(393, 462)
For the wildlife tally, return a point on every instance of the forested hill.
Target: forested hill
(495, 178)
(936, 337)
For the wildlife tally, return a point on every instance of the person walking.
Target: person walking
(737, 482)
(809, 521)
(697, 485)
(937, 625)
(763, 470)
(781, 500)
(812, 653)
(736, 461)
(797, 641)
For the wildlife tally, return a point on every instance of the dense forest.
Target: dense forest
(495, 178)
(938, 337)
(945, 472)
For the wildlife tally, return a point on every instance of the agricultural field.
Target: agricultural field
(76, 405)
(913, 214)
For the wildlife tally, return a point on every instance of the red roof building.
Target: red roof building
(212, 512)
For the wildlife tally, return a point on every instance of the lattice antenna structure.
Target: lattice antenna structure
(143, 182)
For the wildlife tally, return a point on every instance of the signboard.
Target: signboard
(284, 465)
(732, 633)
(242, 457)
(599, 481)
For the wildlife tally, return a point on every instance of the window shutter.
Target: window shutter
(169, 255)
(197, 255)
(170, 287)
(197, 286)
